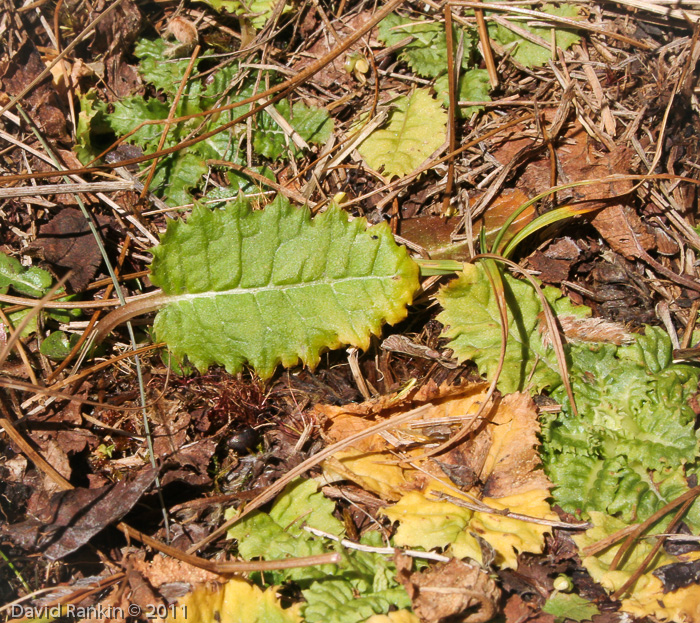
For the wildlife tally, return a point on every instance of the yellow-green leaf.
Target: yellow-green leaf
(416, 129)
(274, 286)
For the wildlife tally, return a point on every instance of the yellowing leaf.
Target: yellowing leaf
(427, 523)
(513, 464)
(237, 601)
(369, 470)
(416, 129)
(506, 535)
(274, 286)
(647, 597)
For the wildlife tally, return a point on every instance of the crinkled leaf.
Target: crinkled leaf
(184, 171)
(528, 53)
(312, 124)
(261, 9)
(179, 173)
(570, 606)
(280, 533)
(474, 86)
(237, 601)
(302, 503)
(335, 601)
(626, 452)
(166, 74)
(31, 281)
(274, 286)
(426, 55)
(361, 584)
(130, 112)
(416, 128)
(473, 324)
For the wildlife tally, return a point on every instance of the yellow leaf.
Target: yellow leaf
(500, 458)
(426, 523)
(647, 597)
(400, 616)
(506, 535)
(415, 130)
(371, 471)
(237, 601)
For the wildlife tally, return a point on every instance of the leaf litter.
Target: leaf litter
(500, 504)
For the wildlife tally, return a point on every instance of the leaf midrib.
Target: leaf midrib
(189, 296)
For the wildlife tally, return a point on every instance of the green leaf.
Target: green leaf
(415, 130)
(273, 286)
(166, 74)
(362, 584)
(179, 173)
(261, 9)
(130, 112)
(91, 124)
(16, 318)
(474, 86)
(280, 533)
(626, 453)
(312, 124)
(32, 281)
(57, 345)
(473, 325)
(302, 503)
(426, 55)
(528, 53)
(335, 601)
(570, 606)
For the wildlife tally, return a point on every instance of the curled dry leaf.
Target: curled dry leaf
(455, 591)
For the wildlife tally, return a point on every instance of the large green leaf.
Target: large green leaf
(274, 286)
(416, 129)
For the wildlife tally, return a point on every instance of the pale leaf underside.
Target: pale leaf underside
(274, 286)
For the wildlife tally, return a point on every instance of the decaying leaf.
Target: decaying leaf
(500, 459)
(434, 233)
(453, 591)
(66, 241)
(73, 517)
